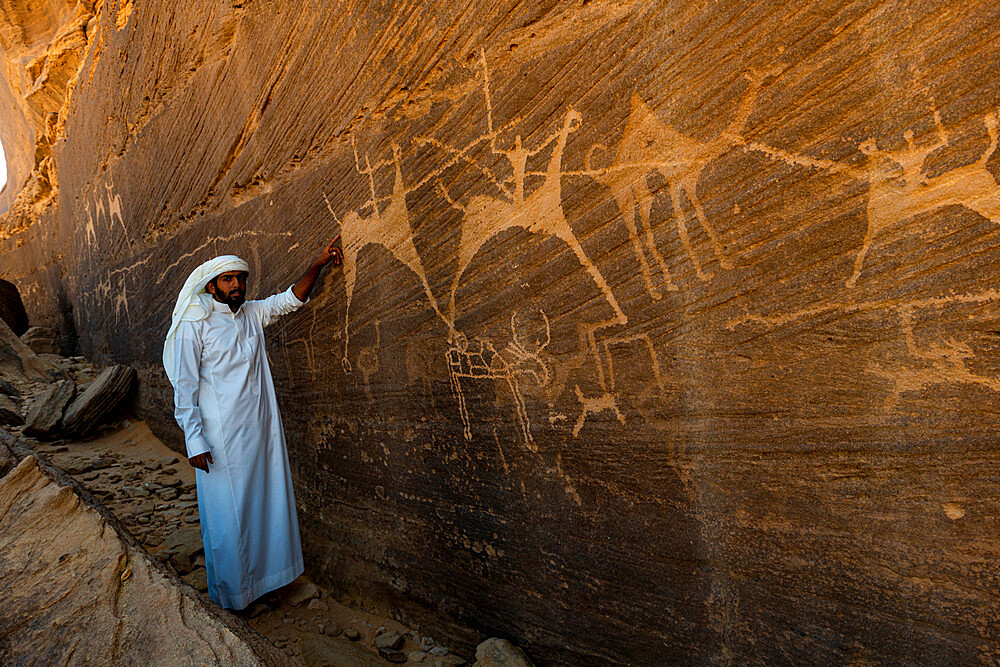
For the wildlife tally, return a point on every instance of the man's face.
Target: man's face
(230, 288)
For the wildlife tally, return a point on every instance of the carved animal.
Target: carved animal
(542, 212)
(390, 229)
(649, 145)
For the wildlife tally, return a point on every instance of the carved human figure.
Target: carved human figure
(899, 190)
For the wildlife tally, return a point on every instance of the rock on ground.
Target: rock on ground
(495, 652)
(75, 591)
(99, 401)
(41, 340)
(322, 650)
(10, 413)
(7, 460)
(44, 418)
(17, 360)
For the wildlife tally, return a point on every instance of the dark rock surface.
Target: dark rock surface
(671, 327)
(8, 389)
(322, 650)
(10, 413)
(12, 308)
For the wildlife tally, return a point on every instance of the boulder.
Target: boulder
(18, 361)
(496, 652)
(41, 340)
(301, 590)
(44, 418)
(10, 413)
(197, 579)
(390, 639)
(186, 541)
(101, 399)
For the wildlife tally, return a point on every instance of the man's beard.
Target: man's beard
(234, 299)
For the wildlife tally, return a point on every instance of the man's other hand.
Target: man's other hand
(201, 461)
(332, 253)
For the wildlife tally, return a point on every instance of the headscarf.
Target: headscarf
(194, 303)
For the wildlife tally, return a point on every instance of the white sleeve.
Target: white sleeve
(277, 305)
(187, 358)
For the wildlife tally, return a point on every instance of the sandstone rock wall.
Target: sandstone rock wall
(667, 332)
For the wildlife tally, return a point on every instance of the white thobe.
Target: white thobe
(224, 401)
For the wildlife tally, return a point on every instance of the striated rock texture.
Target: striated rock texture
(76, 593)
(667, 332)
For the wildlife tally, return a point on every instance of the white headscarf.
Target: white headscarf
(194, 303)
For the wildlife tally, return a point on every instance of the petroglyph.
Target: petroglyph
(484, 216)
(649, 145)
(368, 362)
(602, 353)
(898, 189)
(389, 228)
(569, 487)
(115, 208)
(91, 232)
(847, 307)
(478, 359)
(107, 207)
(939, 363)
(541, 212)
(591, 405)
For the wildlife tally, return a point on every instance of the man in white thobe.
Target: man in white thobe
(224, 401)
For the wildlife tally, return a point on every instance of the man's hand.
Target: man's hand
(331, 253)
(201, 461)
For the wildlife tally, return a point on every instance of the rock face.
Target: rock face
(74, 591)
(12, 308)
(666, 332)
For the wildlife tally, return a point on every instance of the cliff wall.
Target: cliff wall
(667, 332)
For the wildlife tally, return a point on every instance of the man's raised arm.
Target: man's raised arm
(331, 253)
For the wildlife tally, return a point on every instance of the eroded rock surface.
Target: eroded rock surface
(75, 592)
(666, 332)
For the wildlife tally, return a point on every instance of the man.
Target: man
(224, 401)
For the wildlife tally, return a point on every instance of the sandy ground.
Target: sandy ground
(152, 489)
